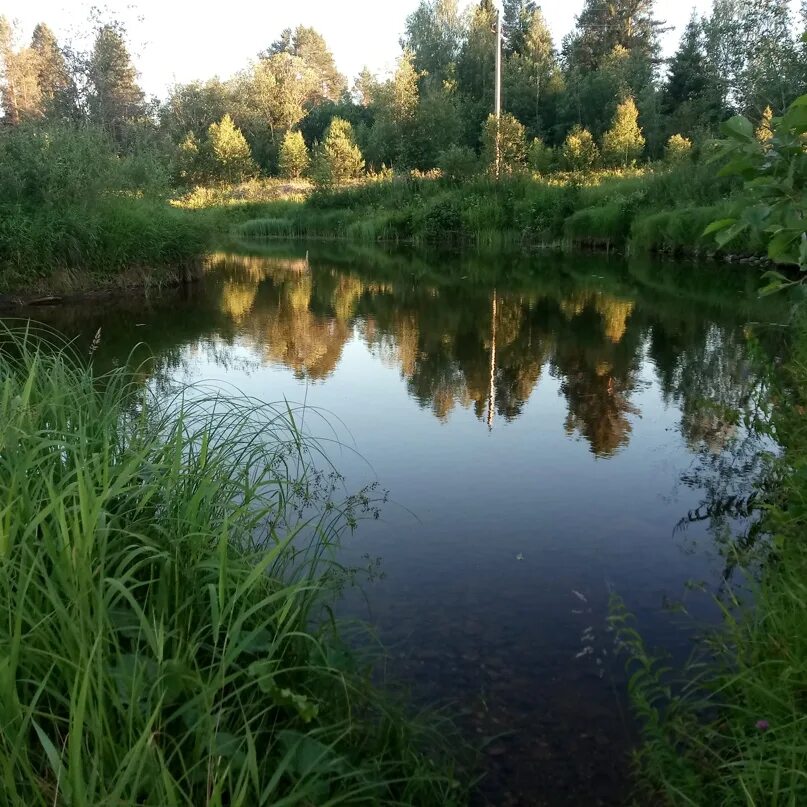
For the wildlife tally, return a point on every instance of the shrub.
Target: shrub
(458, 163)
(540, 157)
(580, 152)
(678, 148)
(512, 142)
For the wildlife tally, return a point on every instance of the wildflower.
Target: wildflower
(763, 725)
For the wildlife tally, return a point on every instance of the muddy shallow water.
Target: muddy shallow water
(551, 430)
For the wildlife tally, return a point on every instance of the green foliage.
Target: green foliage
(338, 158)
(774, 203)
(512, 143)
(540, 157)
(294, 158)
(624, 142)
(114, 95)
(231, 158)
(678, 148)
(172, 568)
(458, 163)
(580, 152)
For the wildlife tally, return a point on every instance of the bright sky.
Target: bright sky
(181, 41)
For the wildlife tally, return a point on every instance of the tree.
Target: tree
(517, 20)
(605, 24)
(475, 66)
(512, 142)
(580, 152)
(365, 87)
(294, 159)
(624, 142)
(309, 46)
(19, 85)
(433, 35)
(338, 158)
(114, 95)
(230, 151)
(458, 163)
(532, 79)
(540, 157)
(56, 85)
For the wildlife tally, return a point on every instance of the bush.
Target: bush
(458, 163)
(231, 158)
(540, 157)
(678, 148)
(580, 152)
(512, 142)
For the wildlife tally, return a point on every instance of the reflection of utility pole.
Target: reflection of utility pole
(498, 89)
(492, 387)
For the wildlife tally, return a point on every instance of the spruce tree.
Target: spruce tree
(624, 142)
(293, 160)
(114, 96)
(338, 158)
(230, 151)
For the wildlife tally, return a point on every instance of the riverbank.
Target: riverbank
(660, 209)
(171, 638)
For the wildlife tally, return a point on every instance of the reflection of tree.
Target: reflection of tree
(460, 345)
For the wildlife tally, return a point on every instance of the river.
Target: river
(551, 430)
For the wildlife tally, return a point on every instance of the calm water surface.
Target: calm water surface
(549, 429)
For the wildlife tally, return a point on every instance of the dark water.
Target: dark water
(550, 430)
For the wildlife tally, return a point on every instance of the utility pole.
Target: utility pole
(498, 90)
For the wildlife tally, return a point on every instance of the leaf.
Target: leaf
(718, 225)
(739, 128)
(780, 246)
(724, 236)
(803, 253)
(756, 216)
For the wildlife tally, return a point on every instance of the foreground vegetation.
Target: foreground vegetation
(168, 572)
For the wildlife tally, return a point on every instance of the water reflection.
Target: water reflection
(469, 346)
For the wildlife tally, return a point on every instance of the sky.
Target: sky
(181, 41)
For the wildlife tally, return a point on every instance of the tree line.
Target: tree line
(602, 96)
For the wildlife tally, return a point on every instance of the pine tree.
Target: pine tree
(114, 96)
(230, 151)
(624, 142)
(293, 160)
(518, 16)
(55, 82)
(338, 158)
(309, 45)
(580, 152)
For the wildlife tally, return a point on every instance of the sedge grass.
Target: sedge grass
(166, 571)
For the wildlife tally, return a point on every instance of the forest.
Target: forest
(597, 131)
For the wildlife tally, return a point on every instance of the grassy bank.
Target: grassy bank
(75, 214)
(730, 728)
(168, 639)
(660, 209)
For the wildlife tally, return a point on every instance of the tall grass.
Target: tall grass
(167, 570)
(609, 209)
